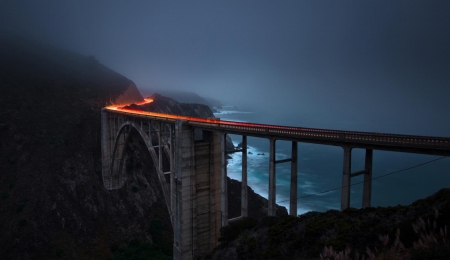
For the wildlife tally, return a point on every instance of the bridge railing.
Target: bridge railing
(339, 135)
(328, 134)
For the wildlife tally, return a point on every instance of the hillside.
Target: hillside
(53, 201)
(53, 204)
(422, 229)
(184, 97)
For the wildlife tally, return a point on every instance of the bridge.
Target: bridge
(194, 182)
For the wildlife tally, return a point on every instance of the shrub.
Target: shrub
(140, 251)
(433, 243)
(234, 229)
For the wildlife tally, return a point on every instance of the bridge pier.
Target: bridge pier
(197, 218)
(347, 175)
(244, 195)
(346, 178)
(294, 181)
(224, 185)
(272, 179)
(367, 190)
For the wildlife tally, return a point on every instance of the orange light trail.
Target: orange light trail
(122, 108)
(297, 131)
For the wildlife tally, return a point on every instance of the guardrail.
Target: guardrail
(329, 134)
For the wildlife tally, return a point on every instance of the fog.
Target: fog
(383, 63)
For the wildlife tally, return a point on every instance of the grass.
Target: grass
(433, 243)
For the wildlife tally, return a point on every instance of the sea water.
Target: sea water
(320, 169)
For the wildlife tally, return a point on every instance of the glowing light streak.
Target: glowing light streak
(289, 130)
(192, 119)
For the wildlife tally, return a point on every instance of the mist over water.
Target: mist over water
(320, 168)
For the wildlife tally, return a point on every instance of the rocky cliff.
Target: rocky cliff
(53, 204)
(166, 105)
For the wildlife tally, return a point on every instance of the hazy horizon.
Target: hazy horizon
(380, 64)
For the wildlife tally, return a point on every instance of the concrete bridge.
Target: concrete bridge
(195, 181)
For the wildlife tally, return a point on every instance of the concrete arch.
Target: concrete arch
(117, 176)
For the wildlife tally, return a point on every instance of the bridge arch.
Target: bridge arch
(115, 177)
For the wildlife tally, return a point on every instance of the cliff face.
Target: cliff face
(166, 105)
(184, 97)
(53, 204)
(130, 95)
(53, 201)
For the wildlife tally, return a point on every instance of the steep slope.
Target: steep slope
(53, 201)
(422, 233)
(184, 97)
(166, 105)
(53, 204)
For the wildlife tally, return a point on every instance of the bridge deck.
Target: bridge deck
(355, 139)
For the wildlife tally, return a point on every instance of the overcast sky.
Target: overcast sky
(369, 65)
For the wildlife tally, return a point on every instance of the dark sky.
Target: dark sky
(364, 65)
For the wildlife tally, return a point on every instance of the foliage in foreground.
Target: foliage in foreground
(381, 232)
(433, 243)
(141, 251)
(161, 249)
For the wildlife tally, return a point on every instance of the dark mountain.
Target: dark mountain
(53, 204)
(166, 105)
(53, 201)
(185, 97)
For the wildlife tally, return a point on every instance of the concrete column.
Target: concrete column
(345, 195)
(294, 182)
(272, 187)
(244, 196)
(183, 247)
(216, 191)
(367, 188)
(223, 144)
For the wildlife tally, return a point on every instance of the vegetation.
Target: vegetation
(53, 203)
(232, 231)
(141, 251)
(417, 231)
(160, 249)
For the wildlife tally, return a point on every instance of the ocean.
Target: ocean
(320, 169)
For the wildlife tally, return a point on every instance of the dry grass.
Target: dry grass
(430, 236)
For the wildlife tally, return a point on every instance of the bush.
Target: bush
(141, 251)
(234, 229)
